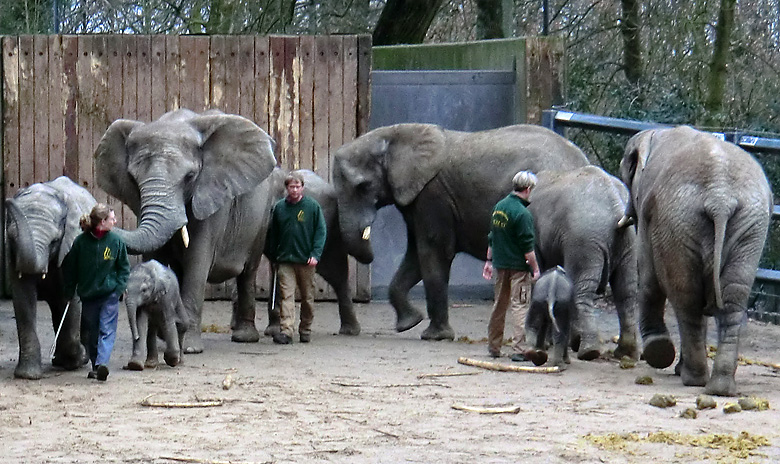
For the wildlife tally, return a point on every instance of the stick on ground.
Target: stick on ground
(488, 410)
(493, 366)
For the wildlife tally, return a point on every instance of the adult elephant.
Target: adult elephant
(576, 215)
(42, 221)
(202, 171)
(445, 183)
(702, 208)
(333, 265)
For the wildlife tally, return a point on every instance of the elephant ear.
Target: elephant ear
(415, 154)
(73, 212)
(237, 156)
(111, 164)
(635, 156)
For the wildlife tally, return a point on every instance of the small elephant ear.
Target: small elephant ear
(415, 154)
(237, 156)
(73, 213)
(111, 164)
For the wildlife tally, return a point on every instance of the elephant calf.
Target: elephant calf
(154, 308)
(551, 312)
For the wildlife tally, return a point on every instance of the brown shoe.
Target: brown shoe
(305, 338)
(494, 352)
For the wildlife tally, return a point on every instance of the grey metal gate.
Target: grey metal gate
(458, 100)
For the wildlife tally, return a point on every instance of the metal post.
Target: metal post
(545, 17)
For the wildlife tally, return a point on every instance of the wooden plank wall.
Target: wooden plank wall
(60, 93)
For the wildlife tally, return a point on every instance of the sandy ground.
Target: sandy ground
(362, 400)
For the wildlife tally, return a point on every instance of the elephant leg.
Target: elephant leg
(170, 333)
(586, 282)
(435, 266)
(152, 330)
(692, 366)
(69, 353)
(245, 330)
(136, 362)
(406, 277)
(623, 283)
(25, 312)
(192, 284)
(658, 349)
(334, 268)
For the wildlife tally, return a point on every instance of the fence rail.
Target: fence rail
(559, 120)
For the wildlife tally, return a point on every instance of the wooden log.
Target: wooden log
(493, 366)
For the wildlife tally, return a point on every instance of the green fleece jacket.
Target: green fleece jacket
(298, 231)
(511, 233)
(96, 267)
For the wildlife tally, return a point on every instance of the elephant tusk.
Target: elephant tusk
(44, 276)
(625, 221)
(185, 236)
(367, 233)
(20, 276)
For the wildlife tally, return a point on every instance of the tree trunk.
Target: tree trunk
(720, 57)
(489, 19)
(632, 43)
(405, 21)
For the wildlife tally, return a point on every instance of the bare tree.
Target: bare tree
(720, 58)
(632, 43)
(489, 19)
(405, 21)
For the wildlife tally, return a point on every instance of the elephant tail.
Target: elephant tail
(720, 213)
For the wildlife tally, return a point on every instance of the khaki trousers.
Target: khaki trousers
(512, 290)
(292, 275)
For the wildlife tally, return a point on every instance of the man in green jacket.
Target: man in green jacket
(511, 252)
(296, 242)
(97, 268)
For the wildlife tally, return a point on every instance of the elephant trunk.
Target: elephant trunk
(162, 214)
(356, 232)
(131, 318)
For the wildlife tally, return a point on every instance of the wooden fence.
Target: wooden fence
(60, 93)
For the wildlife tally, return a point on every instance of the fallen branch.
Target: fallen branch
(488, 410)
(206, 461)
(197, 404)
(446, 374)
(506, 368)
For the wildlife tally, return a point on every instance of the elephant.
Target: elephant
(445, 184)
(551, 312)
(575, 218)
(154, 308)
(42, 221)
(333, 265)
(702, 208)
(202, 171)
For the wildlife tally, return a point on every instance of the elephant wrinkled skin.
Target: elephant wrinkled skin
(575, 216)
(42, 221)
(702, 208)
(202, 171)
(445, 183)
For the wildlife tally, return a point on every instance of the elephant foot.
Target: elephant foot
(589, 351)
(246, 335)
(72, 360)
(438, 333)
(575, 342)
(272, 329)
(151, 363)
(172, 360)
(722, 385)
(627, 349)
(134, 365)
(192, 342)
(538, 357)
(28, 372)
(407, 322)
(659, 351)
(349, 329)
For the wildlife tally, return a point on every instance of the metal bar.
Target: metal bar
(603, 123)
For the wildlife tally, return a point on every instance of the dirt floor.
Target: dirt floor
(380, 397)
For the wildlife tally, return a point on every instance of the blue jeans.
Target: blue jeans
(99, 321)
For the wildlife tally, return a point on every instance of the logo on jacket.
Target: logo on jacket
(107, 254)
(300, 216)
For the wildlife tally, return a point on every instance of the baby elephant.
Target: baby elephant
(154, 308)
(551, 312)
